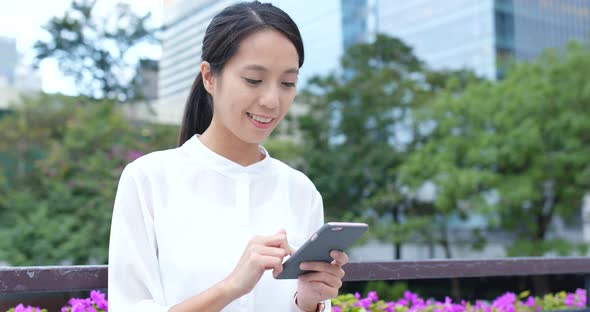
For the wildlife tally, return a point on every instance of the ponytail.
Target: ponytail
(198, 112)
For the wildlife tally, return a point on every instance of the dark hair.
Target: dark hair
(221, 43)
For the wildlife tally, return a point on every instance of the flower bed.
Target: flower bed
(95, 303)
(410, 302)
(509, 302)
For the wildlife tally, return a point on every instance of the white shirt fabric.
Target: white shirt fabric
(182, 218)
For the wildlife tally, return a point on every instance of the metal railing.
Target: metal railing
(15, 280)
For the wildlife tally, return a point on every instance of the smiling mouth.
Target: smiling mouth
(260, 119)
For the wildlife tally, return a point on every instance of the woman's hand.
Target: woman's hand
(323, 283)
(262, 253)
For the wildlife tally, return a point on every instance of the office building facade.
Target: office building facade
(484, 35)
(8, 60)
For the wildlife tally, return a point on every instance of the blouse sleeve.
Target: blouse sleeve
(134, 282)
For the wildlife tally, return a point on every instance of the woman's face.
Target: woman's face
(255, 88)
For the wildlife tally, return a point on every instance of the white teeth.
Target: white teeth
(260, 119)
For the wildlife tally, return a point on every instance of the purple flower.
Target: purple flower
(134, 154)
(505, 302)
(409, 295)
(390, 307)
(99, 299)
(373, 296)
(22, 308)
(357, 295)
(570, 300)
(336, 309)
(19, 308)
(530, 302)
(581, 295)
(365, 303)
(402, 302)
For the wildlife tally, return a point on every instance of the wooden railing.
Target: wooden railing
(77, 278)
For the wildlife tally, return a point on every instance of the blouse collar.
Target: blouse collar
(227, 167)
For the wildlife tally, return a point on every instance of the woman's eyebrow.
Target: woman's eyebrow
(255, 67)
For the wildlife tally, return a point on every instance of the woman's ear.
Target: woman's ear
(208, 77)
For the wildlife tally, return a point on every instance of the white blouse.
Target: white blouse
(182, 218)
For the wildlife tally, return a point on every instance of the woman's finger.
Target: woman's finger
(340, 258)
(321, 278)
(278, 240)
(270, 251)
(332, 269)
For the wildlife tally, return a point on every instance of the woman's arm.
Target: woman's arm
(134, 275)
(211, 300)
(262, 253)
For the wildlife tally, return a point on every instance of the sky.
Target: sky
(23, 19)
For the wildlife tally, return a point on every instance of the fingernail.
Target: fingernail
(302, 266)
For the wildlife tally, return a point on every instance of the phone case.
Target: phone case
(331, 236)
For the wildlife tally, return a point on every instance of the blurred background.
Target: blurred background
(456, 129)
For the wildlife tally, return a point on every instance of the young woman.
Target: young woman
(206, 226)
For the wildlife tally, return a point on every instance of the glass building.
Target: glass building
(358, 21)
(483, 35)
(445, 34)
(8, 59)
(524, 29)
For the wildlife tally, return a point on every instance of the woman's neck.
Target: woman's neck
(226, 144)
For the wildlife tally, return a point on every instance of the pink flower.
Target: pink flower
(133, 155)
(530, 302)
(402, 302)
(373, 296)
(22, 308)
(365, 303)
(581, 296)
(570, 300)
(99, 299)
(505, 302)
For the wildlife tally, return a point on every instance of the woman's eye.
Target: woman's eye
(253, 82)
(289, 84)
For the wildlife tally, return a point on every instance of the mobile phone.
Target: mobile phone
(331, 236)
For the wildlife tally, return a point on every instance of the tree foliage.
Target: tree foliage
(515, 151)
(359, 130)
(100, 53)
(63, 157)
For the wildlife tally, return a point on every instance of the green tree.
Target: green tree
(98, 52)
(515, 151)
(57, 209)
(358, 130)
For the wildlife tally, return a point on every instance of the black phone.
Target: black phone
(331, 236)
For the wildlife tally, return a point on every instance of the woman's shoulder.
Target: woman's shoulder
(296, 178)
(154, 163)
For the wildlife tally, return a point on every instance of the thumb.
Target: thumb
(286, 246)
